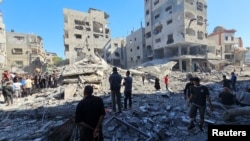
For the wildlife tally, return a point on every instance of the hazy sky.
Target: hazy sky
(45, 17)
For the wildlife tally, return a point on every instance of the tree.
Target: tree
(56, 60)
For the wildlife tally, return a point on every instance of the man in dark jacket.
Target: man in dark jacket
(128, 90)
(226, 82)
(89, 115)
(226, 97)
(234, 80)
(188, 88)
(115, 80)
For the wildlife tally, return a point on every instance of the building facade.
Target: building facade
(49, 57)
(3, 56)
(228, 47)
(85, 33)
(24, 51)
(115, 52)
(135, 50)
(247, 56)
(176, 29)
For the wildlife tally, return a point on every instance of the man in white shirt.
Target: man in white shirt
(28, 85)
(17, 88)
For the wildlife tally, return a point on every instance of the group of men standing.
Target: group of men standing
(90, 119)
(115, 81)
(196, 94)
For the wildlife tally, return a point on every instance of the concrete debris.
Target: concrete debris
(155, 115)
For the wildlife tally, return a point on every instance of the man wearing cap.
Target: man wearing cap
(115, 80)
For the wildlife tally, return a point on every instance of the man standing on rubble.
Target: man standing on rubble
(89, 115)
(143, 78)
(115, 80)
(197, 100)
(234, 80)
(127, 90)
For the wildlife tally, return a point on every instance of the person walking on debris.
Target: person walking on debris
(234, 80)
(166, 81)
(89, 115)
(143, 78)
(127, 90)
(241, 70)
(157, 84)
(115, 80)
(188, 88)
(198, 96)
(226, 82)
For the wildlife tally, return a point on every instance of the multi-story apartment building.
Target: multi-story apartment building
(176, 29)
(49, 57)
(247, 56)
(135, 48)
(24, 51)
(85, 33)
(115, 54)
(2, 42)
(228, 47)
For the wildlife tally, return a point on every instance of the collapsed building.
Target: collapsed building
(155, 115)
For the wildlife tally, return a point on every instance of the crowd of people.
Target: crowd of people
(14, 85)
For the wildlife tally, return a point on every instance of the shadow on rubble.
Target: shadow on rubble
(51, 119)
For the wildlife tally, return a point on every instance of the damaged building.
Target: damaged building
(3, 56)
(85, 33)
(177, 30)
(226, 47)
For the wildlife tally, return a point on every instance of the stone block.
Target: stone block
(69, 91)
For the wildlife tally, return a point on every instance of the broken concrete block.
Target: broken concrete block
(69, 91)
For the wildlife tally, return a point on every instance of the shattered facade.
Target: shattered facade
(3, 59)
(115, 54)
(247, 56)
(177, 30)
(24, 50)
(135, 48)
(85, 33)
(228, 47)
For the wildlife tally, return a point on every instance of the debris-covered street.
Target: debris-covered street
(155, 115)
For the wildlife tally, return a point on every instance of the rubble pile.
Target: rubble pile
(155, 115)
